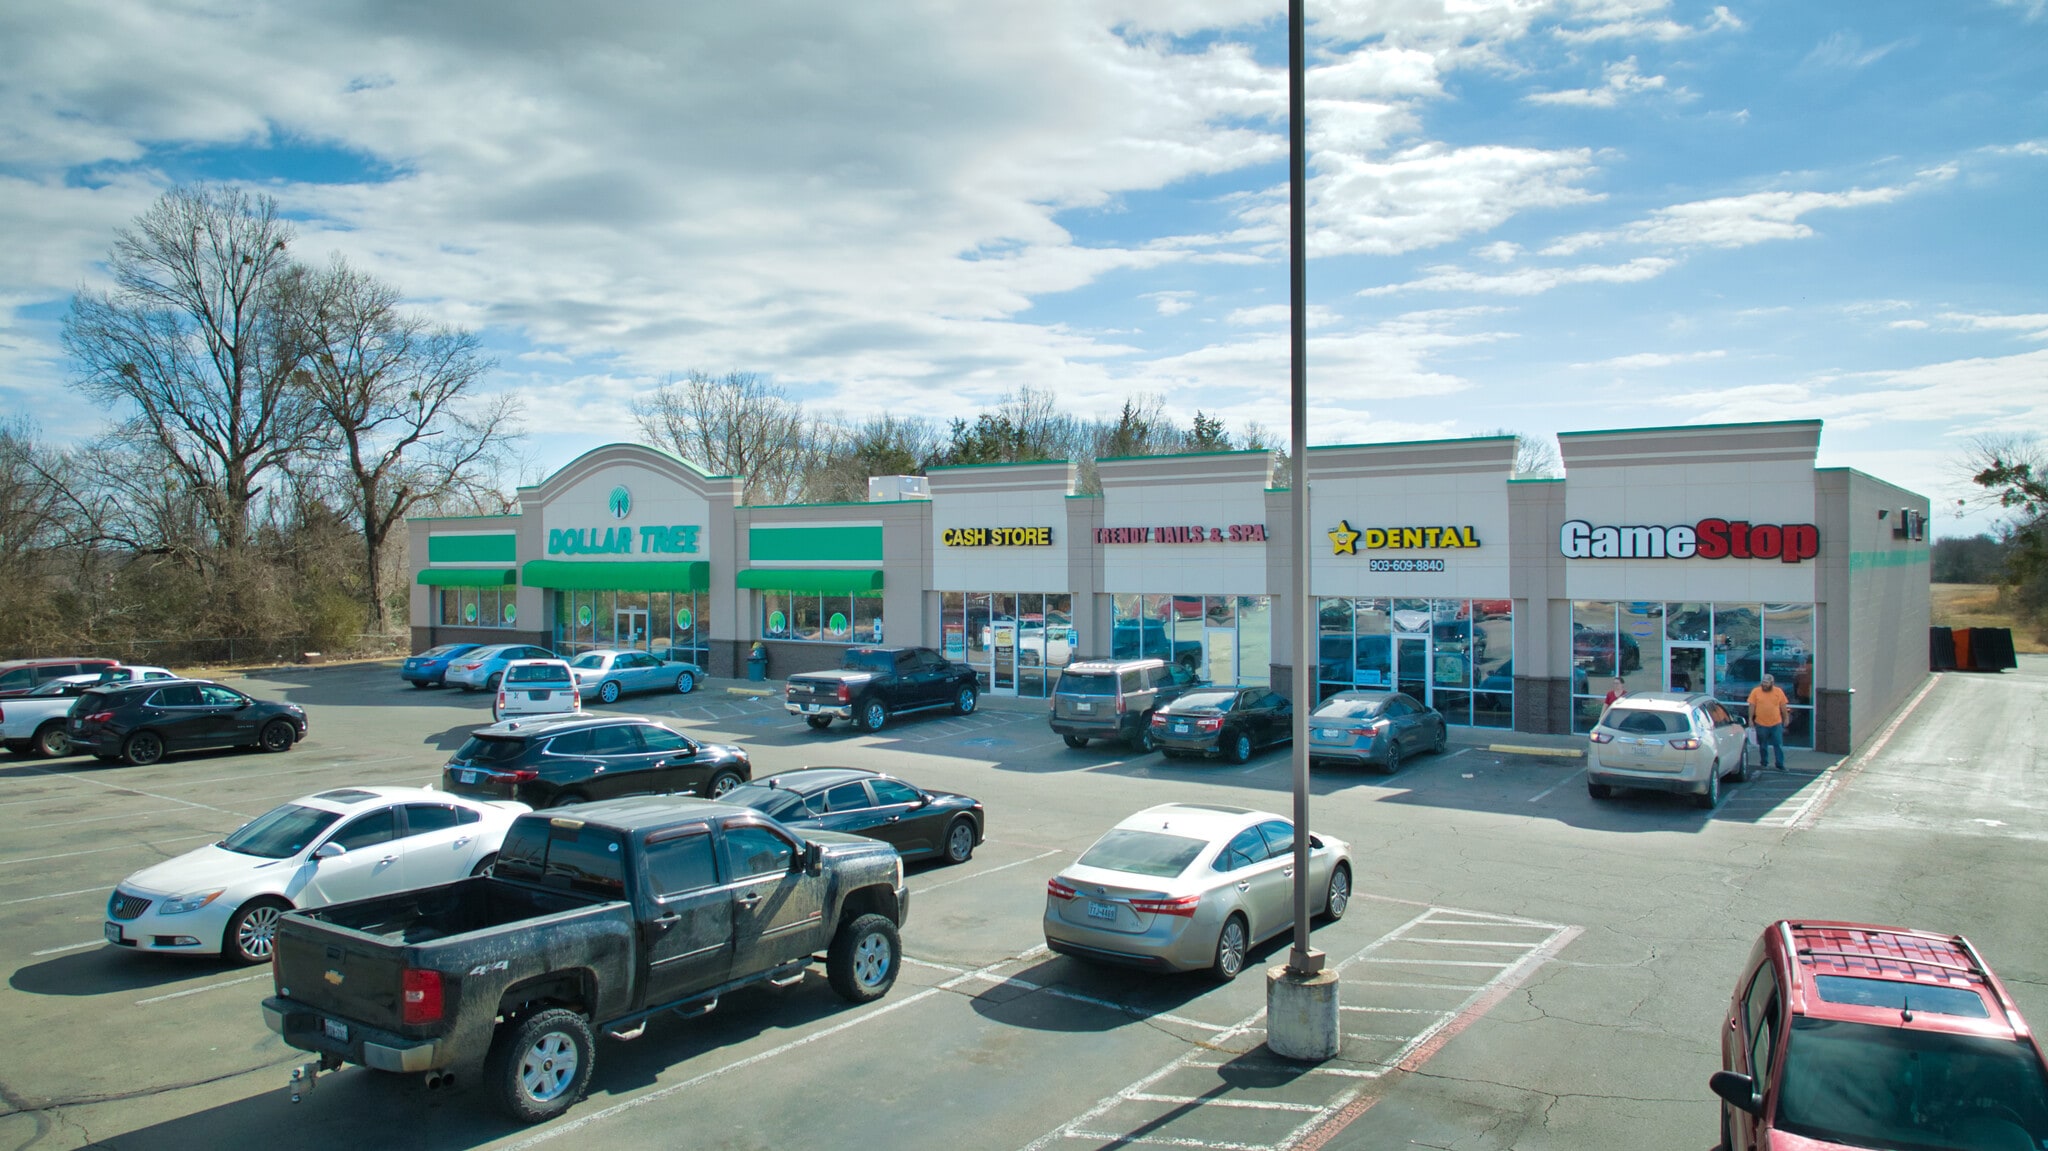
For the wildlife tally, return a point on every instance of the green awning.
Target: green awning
(627, 575)
(468, 577)
(818, 581)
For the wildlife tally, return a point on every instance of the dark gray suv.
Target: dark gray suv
(556, 760)
(1115, 698)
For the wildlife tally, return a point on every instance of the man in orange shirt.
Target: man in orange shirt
(1767, 705)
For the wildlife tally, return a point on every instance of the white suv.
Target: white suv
(536, 687)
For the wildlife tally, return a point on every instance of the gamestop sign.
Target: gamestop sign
(1709, 539)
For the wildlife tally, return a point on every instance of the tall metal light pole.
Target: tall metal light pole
(1302, 1013)
(1303, 959)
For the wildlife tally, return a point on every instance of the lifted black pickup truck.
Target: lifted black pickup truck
(594, 921)
(874, 683)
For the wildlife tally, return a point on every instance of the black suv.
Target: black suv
(1114, 699)
(548, 761)
(139, 722)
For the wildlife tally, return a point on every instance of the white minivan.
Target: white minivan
(536, 687)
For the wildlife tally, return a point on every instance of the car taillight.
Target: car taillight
(576, 699)
(100, 717)
(1602, 737)
(845, 694)
(1158, 719)
(1368, 729)
(1211, 723)
(1122, 705)
(501, 699)
(1058, 890)
(523, 775)
(421, 996)
(1184, 906)
(1686, 744)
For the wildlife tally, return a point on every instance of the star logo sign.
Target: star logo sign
(1344, 541)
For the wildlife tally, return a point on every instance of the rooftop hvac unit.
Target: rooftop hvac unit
(886, 488)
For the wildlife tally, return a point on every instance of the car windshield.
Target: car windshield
(868, 659)
(538, 673)
(589, 659)
(281, 832)
(1216, 699)
(1910, 1089)
(1347, 708)
(770, 801)
(1143, 852)
(444, 651)
(60, 687)
(1643, 721)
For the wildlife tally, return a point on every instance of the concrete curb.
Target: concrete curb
(1524, 749)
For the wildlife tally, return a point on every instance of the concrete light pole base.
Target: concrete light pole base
(1301, 1015)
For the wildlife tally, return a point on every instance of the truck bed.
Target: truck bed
(460, 908)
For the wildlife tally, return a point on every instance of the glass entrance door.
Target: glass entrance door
(1687, 668)
(1220, 648)
(629, 627)
(1411, 666)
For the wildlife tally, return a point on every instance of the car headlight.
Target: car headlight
(181, 904)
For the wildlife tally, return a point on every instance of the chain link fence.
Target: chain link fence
(226, 651)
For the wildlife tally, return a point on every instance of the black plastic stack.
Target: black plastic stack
(1941, 649)
(1970, 649)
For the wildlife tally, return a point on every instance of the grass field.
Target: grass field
(1976, 605)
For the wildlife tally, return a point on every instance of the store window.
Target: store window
(492, 606)
(807, 618)
(670, 625)
(1455, 655)
(1222, 639)
(1721, 648)
(1017, 641)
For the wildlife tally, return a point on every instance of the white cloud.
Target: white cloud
(1844, 52)
(1642, 360)
(1622, 80)
(1728, 221)
(1170, 303)
(1499, 252)
(1623, 20)
(1908, 325)
(2030, 327)
(2004, 389)
(1529, 281)
(1268, 315)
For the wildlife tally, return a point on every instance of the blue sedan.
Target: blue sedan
(608, 674)
(430, 667)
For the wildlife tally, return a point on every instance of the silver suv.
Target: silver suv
(1114, 699)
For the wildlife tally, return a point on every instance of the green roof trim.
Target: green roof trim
(625, 575)
(1190, 455)
(769, 544)
(1696, 427)
(468, 577)
(446, 548)
(817, 581)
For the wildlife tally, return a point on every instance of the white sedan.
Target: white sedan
(348, 843)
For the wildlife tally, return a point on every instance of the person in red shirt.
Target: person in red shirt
(1767, 704)
(1616, 692)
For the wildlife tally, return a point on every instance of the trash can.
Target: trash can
(757, 664)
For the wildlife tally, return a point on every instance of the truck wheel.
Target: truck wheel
(540, 1066)
(52, 742)
(277, 735)
(252, 934)
(818, 722)
(963, 702)
(143, 748)
(721, 783)
(874, 714)
(960, 841)
(1076, 740)
(861, 965)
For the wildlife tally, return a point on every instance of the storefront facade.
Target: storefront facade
(1696, 558)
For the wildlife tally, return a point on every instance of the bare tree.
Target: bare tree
(398, 397)
(736, 425)
(189, 347)
(884, 445)
(1535, 456)
(1140, 428)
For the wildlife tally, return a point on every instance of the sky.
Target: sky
(1532, 215)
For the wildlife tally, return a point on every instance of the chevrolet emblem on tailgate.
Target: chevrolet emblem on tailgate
(335, 977)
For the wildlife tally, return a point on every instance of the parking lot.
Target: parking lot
(1523, 966)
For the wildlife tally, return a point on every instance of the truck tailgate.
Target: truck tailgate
(339, 972)
(813, 691)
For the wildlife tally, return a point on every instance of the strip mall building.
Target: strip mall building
(1694, 558)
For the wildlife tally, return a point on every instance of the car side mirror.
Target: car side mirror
(814, 859)
(329, 851)
(926, 799)
(1739, 1090)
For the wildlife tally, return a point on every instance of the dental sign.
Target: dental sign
(1709, 539)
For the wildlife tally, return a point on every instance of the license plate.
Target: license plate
(466, 776)
(537, 695)
(335, 1030)
(113, 933)
(1180, 728)
(78, 725)
(1101, 910)
(1084, 707)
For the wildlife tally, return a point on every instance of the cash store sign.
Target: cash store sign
(996, 537)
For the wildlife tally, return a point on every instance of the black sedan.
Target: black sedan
(1229, 721)
(139, 722)
(919, 824)
(577, 757)
(1375, 727)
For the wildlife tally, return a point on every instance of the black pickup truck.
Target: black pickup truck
(874, 683)
(590, 922)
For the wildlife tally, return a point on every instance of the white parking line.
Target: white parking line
(56, 895)
(979, 874)
(66, 947)
(100, 850)
(1558, 784)
(201, 990)
(118, 787)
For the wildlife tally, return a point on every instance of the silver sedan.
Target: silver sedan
(608, 674)
(1190, 887)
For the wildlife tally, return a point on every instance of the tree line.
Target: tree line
(271, 423)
